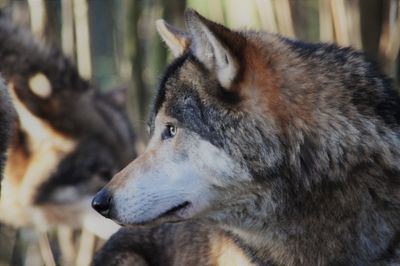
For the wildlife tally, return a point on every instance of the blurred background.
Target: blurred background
(114, 42)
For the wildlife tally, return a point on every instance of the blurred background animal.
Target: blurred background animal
(69, 138)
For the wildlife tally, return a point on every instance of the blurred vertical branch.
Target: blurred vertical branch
(45, 21)
(267, 15)
(80, 8)
(346, 21)
(67, 29)
(326, 31)
(66, 242)
(339, 22)
(284, 18)
(390, 38)
(354, 23)
(37, 10)
(45, 249)
(137, 95)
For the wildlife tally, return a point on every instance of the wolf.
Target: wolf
(290, 149)
(69, 138)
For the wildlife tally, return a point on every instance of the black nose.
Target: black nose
(102, 202)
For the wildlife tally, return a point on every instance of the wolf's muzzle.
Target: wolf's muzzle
(102, 202)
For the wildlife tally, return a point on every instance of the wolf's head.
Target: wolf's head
(246, 122)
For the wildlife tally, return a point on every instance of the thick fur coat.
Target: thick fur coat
(311, 134)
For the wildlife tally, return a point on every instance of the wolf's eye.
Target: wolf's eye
(169, 132)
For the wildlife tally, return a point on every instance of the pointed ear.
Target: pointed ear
(175, 39)
(210, 45)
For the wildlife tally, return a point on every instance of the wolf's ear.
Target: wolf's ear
(175, 39)
(210, 45)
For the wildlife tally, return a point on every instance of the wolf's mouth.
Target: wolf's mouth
(174, 214)
(176, 210)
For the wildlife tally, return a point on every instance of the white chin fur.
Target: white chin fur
(147, 197)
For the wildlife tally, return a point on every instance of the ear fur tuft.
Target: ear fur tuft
(176, 40)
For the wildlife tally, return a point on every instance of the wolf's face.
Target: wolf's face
(204, 136)
(176, 178)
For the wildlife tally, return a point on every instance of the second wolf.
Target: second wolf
(68, 141)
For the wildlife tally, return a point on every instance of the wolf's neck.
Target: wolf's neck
(309, 230)
(266, 242)
(248, 222)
